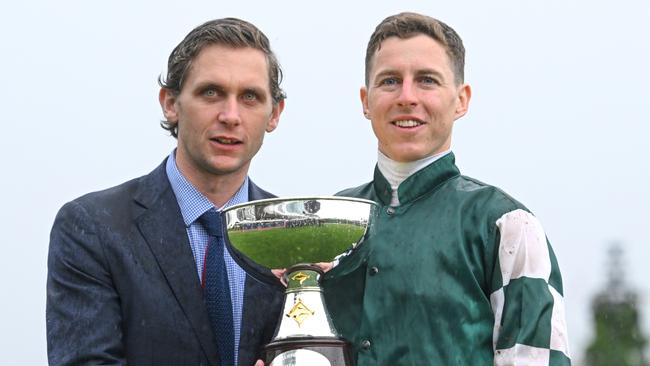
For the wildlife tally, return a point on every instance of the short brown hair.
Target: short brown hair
(407, 25)
(230, 32)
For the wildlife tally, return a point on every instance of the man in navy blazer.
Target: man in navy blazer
(125, 264)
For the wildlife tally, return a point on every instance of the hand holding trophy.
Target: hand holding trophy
(295, 234)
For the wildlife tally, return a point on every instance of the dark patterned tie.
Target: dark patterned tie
(217, 289)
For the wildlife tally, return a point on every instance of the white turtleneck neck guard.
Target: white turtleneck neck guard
(396, 172)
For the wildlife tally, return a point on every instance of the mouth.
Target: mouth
(226, 140)
(407, 123)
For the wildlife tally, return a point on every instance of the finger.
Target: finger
(325, 266)
(280, 274)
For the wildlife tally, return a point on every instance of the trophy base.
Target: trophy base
(309, 351)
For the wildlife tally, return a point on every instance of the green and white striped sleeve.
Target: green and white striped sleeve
(529, 317)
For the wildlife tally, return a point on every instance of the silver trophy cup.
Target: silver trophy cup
(295, 234)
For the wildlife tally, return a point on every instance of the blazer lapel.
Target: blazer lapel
(162, 226)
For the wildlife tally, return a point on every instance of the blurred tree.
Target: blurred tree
(618, 340)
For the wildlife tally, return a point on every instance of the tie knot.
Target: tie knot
(211, 221)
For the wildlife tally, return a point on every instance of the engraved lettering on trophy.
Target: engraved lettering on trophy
(288, 359)
(300, 277)
(300, 312)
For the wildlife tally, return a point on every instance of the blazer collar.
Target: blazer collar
(257, 193)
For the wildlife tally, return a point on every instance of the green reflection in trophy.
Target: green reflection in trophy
(294, 234)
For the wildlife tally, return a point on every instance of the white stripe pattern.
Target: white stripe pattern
(523, 252)
(522, 355)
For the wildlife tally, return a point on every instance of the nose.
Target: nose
(407, 95)
(229, 112)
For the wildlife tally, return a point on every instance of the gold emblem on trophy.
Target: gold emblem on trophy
(300, 277)
(299, 312)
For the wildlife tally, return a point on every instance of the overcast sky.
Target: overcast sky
(558, 119)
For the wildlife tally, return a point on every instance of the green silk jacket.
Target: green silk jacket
(459, 273)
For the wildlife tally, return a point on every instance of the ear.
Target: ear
(275, 116)
(464, 95)
(168, 104)
(363, 94)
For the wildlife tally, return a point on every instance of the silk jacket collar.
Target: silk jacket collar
(422, 182)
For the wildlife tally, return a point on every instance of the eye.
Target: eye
(249, 96)
(389, 81)
(428, 80)
(209, 93)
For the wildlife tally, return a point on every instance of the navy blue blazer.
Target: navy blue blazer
(122, 284)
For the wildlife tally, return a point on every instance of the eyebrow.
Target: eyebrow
(384, 73)
(255, 90)
(430, 72)
(249, 89)
(208, 84)
(420, 72)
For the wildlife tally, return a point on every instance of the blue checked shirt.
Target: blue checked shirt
(193, 204)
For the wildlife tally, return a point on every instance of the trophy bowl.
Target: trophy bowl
(295, 234)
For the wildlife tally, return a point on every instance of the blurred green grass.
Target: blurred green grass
(284, 247)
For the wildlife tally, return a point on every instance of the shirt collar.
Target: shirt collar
(193, 203)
